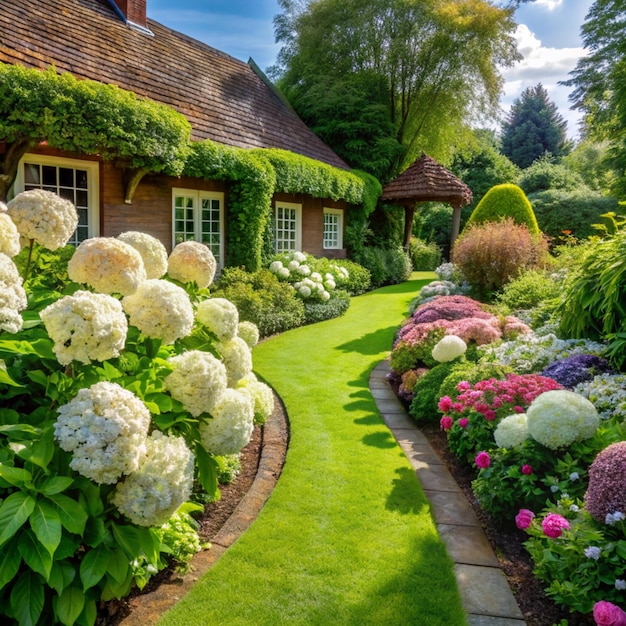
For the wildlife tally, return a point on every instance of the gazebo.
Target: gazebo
(427, 181)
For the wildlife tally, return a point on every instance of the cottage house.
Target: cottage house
(225, 101)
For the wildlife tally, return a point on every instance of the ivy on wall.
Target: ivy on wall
(143, 136)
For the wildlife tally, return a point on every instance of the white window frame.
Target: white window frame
(338, 213)
(198, 196)
(297, 241)
(93, 183)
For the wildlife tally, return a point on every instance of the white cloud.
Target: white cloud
(549, 4)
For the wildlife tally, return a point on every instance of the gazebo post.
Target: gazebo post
(409, 212)
(456, 224)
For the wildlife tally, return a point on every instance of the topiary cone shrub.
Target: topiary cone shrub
(502, 202)
(492, 254)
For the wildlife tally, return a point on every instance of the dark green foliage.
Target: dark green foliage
(576, 211)
(423, 409)
(425, 256)
(320, 311)
(359, 279)
(472, 373)
(545, 175)
(588, 160)
(387, 266)
(530, 289)
(433, 222)
(505, 201)
(533, 127)
(595, 302)
(262, 299)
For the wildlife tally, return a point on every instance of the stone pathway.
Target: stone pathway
(485, 592)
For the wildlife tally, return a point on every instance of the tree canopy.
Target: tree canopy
(534, 127)
(383, 80)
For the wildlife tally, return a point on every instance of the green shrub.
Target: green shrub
(423, 409)
(320, 311)
(472, 373)
(530, 289)
(595, 300)
(359, 279)
(260, 298)
(544, 175)
(387, 266)
(502, 202)
(407, 356)
(572, 211)
(425, 256)
(492, 254)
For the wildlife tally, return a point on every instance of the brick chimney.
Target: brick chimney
(134, 12)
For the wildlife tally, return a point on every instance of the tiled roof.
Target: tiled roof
(222, 97)
(427, 180)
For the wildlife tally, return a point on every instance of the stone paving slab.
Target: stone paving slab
(467, 545)
(452, 508)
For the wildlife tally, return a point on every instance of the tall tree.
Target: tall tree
(599, 82)
(534, 127)
(392, 77)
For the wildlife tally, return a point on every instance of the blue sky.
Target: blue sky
(548, 37)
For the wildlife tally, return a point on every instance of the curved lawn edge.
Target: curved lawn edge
(347, 536)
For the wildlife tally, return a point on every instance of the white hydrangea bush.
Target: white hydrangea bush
(105, 428)
(12, 296)
(192, 262)
(152, 252)
(160, 309)
(511, 431)
(9, 235)
(237, 359)
(220, 316)
(86, 327)
(607, 392)
(249, 332)
(449, 348)
(261, 394)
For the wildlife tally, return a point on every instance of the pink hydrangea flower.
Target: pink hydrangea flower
(483, 461)
(527, 469)
(445, 404)
(463, 385)
(553, 525)
(463, 422)
(490, 415)
(524, 518)
(608, 614)
(446, 422)
(518, 409)
(457, 406)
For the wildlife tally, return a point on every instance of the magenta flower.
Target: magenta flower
(482, 460)
(553, 525)
(457, 406)
(445, 404)
(518, 409)
(524, 518)
(463, 385)
(446, 422)
(608, 614)
(463, 422)
(490, 415)
(527, 469)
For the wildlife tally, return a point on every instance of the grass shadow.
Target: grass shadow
(403, 497)
(383, 440)
(371, 343)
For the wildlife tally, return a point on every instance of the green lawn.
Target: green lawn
(346, 537)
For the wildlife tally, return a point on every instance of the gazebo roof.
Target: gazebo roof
(427, 181)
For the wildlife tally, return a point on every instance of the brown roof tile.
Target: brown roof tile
(222, 97)
(426, 180)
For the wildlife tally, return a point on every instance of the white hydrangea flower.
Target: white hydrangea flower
(593, 552)
(304, 291)
(249, 332)
(162, 482)
(105, 428)
(558, 418)
(160, 309)
(305, 270)
(299, 257)
(325, 296)
(109, 265)
(12, 296)
(317, 277)
(275, 266)
(262, 395)
(86, 327)
(43, 216)
(192, 261)
(293, 265)
(237, 359)
(231, 425)
(448, 348)
(9, 236)
(152, 252)
(330, 284)
(512, 431)
(198, 381)
(220, 316)
(283, 272)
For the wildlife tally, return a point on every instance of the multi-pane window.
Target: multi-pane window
(71, 179)
(198, 216)
(333, 228)
(287, 227)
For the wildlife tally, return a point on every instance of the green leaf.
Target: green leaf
(95, 531)
(14, 511)
(94, 566)
(127, 537)
(19, 428)
(34, 554)
(5, 379)
(46, 524)
(27, 598)
(119, 566)
(73, 516)
(111, 372)
(10, 560)
(56, 484)
(40, 452)
(70, 605)
(61, 575)
(39, 377)
(207, 470)
(15, 475)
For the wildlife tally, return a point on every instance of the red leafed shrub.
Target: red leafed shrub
(492, 254)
